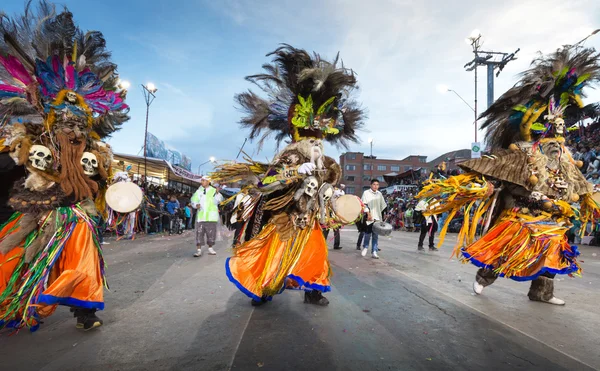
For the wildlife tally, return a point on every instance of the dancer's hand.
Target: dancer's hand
(306, 168)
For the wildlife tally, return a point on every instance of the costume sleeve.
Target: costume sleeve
(588, 213)
(461, 192)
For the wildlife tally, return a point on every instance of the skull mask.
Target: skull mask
(310, 186)
(326, 192)
(559, 126)
(40, 157)
(71, 97)
(89, 163)
(301, 221)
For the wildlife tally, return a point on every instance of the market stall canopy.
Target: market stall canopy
(156, 168)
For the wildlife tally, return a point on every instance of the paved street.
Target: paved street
(407, 311)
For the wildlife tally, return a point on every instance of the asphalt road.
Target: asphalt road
(407, 311)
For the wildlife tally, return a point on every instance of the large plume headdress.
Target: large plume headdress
(551, 90)
(49, 67)
(307, 96)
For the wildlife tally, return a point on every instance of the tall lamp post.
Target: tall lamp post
(492, 60)
(371, 164)
(211, 159)
(149, 90)
(444, 89)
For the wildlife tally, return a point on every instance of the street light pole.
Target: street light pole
(371, 164)
(148, 90)
(486, 58)
(461, 98)
(475, 106)
(211, 159)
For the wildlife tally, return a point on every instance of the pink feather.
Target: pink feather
(70, 76)
(16, 69)
(12, 89)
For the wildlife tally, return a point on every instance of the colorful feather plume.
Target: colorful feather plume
(300, 90)
(42, 54)
(559, 78)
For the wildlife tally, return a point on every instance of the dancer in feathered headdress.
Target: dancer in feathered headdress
(309, 100)
(526, 190)
(58, 99)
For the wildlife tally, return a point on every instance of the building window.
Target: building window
(350, 190)
(407, 168)
(350, 167)
(422, 159)
(351, 156)
(366, 178)
(367, 167)
(380, 178)
(395, 168)
(381, 167)
(350, 178)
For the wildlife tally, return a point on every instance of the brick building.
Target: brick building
(358, 169)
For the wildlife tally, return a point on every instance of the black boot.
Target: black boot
(258, 303)
(86, 318)
(542, 289)
(315, 297)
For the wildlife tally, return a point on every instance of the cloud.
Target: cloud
(400, 49)
(174, 89)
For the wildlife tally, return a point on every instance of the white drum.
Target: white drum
(348, 208)
(124, 197)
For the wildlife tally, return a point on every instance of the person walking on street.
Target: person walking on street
(375, 205)
(337, 192)
(188, 216)
(206, 201)
(428, 224)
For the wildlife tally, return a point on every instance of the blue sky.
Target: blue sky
(198, 52)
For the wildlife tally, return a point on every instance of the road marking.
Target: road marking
(494, 319)
(237, 347)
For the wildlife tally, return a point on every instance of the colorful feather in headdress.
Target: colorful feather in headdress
(554, 83)
(306, 97)
(43, 56)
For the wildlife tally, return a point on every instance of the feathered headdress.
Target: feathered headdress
(549, 92)
(306, 97)
(49, 67)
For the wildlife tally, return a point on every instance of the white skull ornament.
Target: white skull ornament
(559, 126)
(89, 163)
(71, 97)
(310, 186)
(40, 157)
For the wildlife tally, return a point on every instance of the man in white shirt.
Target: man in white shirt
(337, 192)
(428, 224)
(374, 207)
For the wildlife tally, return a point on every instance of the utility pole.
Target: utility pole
(492, 60)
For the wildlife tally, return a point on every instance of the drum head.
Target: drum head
(348, 208)
(124, 197)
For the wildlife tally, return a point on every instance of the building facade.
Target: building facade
(358, 169)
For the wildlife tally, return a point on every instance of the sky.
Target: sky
(197, 53)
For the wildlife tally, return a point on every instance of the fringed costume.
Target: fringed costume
(309, 100)
(59, 92)
(523, 198)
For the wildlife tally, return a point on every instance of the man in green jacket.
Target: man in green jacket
(206, 200)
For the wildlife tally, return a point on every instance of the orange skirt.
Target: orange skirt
(522, 248)
(265, 265)
(75, 277)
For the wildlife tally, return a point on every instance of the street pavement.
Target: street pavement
(407, 311)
